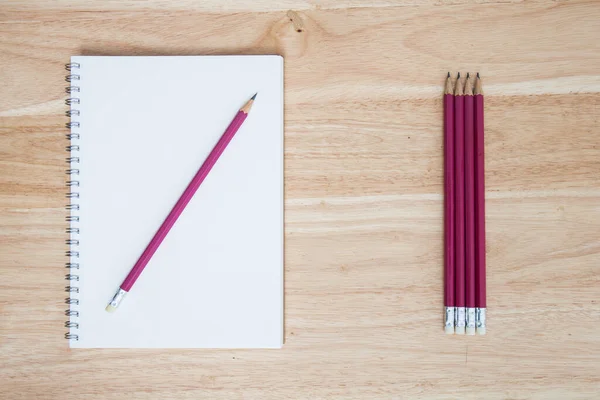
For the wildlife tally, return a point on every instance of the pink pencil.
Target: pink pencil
(480, 284)
(185, 198)
(449, 303)
(469, 207)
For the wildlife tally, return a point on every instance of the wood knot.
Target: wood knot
(296, 20)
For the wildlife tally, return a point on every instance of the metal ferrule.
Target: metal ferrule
(470, 321)
(480, 319)
(449, 318)
(117, 298)
(460, 317)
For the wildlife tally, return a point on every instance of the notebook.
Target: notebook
(141, 127)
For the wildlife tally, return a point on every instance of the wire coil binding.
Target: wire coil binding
(72, 161)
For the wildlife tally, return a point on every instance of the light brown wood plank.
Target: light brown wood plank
(214, 6)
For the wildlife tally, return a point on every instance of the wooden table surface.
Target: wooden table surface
(363, 179)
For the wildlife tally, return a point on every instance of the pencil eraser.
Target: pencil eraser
(470, 330)
(459, 330)
(481, 330)
(449, 330)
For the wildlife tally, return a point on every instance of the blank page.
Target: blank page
(146, 126)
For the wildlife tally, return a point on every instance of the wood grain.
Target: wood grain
(363, 166)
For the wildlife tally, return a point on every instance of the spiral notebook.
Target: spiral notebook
(140, 129)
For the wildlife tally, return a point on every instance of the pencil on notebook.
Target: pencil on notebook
(469, 207)
(459, 192)
(185, 198)
(480, 272)
(449, 207)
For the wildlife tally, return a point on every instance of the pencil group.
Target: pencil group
(464, 207)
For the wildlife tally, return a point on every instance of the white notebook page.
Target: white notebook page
(146, 125)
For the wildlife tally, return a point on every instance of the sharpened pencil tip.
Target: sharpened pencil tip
(478, 75)
(253, 97)
(458, 76)
(467, 75)
(448, 74)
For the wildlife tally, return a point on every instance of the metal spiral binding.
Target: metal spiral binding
(72, 183)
